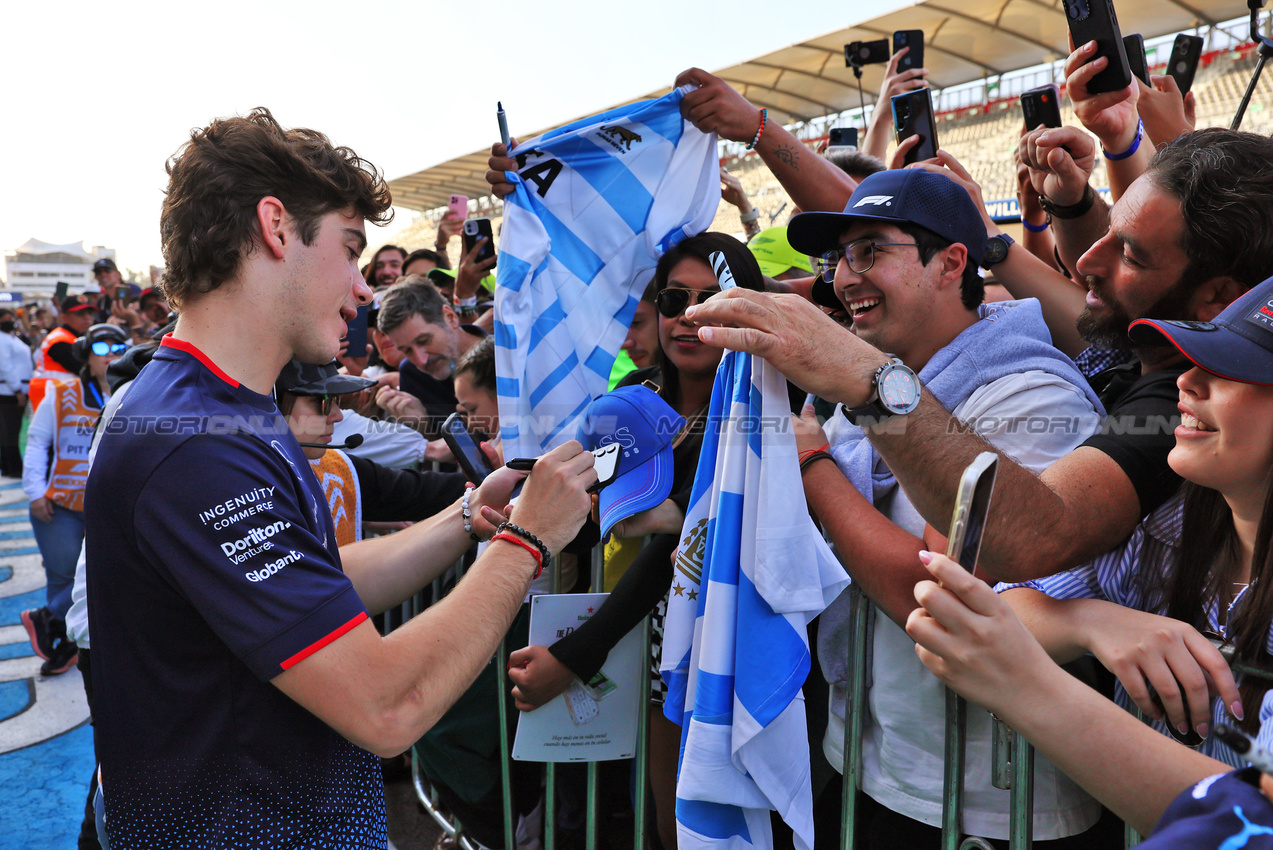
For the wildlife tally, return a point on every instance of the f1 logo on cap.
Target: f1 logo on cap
(877, 200)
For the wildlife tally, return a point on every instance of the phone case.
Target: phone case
(972, 506)
(464, 449)
(1095, 20)
(913, 116)
(1183, 62)
(1041, 106)
(914, 39)
(843, 137)
(475, 227)
(1134, 45)
(459, 205)
(581, 707)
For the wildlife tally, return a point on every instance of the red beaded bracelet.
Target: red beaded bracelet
(512, 538)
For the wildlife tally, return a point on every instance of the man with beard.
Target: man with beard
(1190, 235)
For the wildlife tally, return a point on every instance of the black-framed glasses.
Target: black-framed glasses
(860, 254)
(101, 348)
(672, 302)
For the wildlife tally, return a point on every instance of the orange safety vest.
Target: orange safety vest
(72, 438)
(336, 474)
(47, 369)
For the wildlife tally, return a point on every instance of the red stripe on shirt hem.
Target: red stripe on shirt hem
(321, 642)
(181, 345)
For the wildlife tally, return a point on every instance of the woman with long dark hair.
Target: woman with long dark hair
(685, 371)
(1200, 566)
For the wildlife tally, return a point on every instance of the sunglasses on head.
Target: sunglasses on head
(672, 302)
(101, 348)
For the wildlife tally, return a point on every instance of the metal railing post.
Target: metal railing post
(854, 717)
(953, 781)
(590, 816)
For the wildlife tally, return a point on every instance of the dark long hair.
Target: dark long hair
(742, 265)
(1208, 563)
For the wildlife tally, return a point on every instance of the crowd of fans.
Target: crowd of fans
(1119, 360)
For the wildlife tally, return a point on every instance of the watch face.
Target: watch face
(996, 250)
(899, 389)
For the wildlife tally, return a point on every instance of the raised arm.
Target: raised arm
(1060, 161)
(1111, 117)
(880, 131)
(715, 107)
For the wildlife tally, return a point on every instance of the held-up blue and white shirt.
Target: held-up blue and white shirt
(596, 203)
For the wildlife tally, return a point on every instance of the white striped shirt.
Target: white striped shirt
(1120, 576)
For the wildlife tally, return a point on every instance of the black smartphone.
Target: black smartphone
(1041, 106)
(475, 227)
(357, 333)
(1183, 62)
(1094, 20)
(464, 449)
(914, 58)
(972, 507)
(123, 294)
(60, 291)
(843, 137)
(1134, 44)
(862, 53)
(913, 116)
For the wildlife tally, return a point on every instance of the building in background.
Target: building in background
(35, 268)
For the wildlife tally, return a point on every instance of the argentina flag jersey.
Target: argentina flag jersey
(596, 203)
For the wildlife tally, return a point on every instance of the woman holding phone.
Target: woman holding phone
(1201, 563)
(685, 371)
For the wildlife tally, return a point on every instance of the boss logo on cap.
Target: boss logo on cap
(876, 200)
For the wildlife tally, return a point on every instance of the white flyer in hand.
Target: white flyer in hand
(594, 720)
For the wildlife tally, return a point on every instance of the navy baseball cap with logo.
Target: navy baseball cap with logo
(644, 427)
(1237, 345)
(904, 195)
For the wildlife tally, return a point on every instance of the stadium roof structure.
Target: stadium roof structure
(964, 41)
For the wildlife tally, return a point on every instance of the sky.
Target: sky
(96, 96)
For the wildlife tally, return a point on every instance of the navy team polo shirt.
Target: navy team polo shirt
(212, 567)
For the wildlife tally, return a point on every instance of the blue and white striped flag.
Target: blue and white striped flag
(596, 204)
(751, 572)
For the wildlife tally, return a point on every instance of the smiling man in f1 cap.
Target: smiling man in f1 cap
(902, 258)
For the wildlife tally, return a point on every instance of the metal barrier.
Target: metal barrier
(1013, 757)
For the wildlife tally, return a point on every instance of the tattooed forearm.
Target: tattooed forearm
(788, 155)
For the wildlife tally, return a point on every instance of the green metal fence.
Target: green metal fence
(1012, 756)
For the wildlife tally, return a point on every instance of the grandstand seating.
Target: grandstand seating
(981, 137)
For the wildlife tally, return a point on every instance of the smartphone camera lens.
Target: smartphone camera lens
(900, 39)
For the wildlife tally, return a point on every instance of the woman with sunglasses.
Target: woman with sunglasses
(55, 469)
(684, 372)
(1203, 562)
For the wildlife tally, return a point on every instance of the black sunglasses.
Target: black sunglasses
(672, 302)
